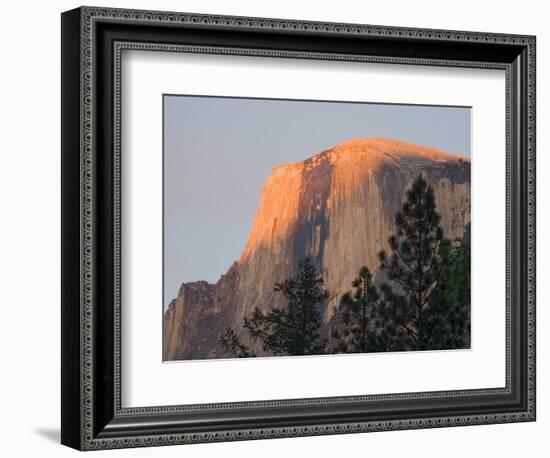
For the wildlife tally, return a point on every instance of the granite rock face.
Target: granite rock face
(337, 207)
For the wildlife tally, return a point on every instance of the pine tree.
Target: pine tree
(294, 330)
(233, 345)
(448, 326)
(405, 316)
(356, 312)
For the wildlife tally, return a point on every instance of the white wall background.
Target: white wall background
(30, 215)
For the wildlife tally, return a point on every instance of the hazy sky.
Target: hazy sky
(219, 151)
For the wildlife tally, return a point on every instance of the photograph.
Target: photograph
(314, 227)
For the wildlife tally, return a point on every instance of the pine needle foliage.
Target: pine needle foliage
(405, 317)
(356, 315)
(294, 330)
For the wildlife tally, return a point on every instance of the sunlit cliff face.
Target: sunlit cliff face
(336, 174)
(337, 207)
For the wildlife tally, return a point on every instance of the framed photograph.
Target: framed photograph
(276, 228)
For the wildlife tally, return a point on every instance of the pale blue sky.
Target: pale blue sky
(218, 152)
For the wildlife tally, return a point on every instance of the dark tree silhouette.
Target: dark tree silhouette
(356, 314)
(293, 330)
(448, 325)
(233, 345)
(414, 270)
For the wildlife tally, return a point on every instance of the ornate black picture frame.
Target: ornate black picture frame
(92, 41)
